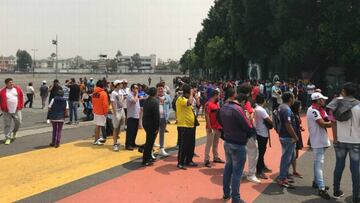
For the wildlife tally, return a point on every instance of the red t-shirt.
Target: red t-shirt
(212, 110)
(255, 92)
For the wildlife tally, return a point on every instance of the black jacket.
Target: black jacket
(151, 117)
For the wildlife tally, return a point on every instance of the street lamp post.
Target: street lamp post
(189, 57)
(56, 42)
(33, 69)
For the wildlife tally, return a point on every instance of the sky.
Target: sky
(92, 27)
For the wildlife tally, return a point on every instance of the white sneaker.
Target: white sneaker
(253, 179)
(97, 142)
(163, 152)
(48, 121)
(101, 139)
(156, 145)
(153, 156)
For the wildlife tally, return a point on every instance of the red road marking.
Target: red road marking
(163, 182)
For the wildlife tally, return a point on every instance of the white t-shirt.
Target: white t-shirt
(318, 135)
(310, 89)
(349, 131)
(161, 106)
(118, 99)
(124, 93)
(30, 90)
(12, 99)
(259, 115)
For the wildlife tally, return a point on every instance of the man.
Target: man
(276, 95)
(252, 145)
(310, 88)
(317, 121)
(151, 121)
(346, 132)
(262, 121)
(44, 93)
(90, 84)
(11, 104)
(149, 80)
(125, 92)
(288, 138)
(100, 109)
(74, 101)
(164, 107)
(66, 90)
(212, 129)
(118, 119)
(236, 129)
(133, 115)
(186, 126)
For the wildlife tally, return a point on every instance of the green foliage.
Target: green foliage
(135, 61)
(24, 60)
(283, 36)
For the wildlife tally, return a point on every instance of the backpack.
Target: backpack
(276, 120)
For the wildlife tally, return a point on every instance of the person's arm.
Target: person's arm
(324, 124)
(289, 127)
(105, 104)
(134, 99)
(190, 101)
(334, 131)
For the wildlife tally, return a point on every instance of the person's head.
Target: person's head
(186, 90)
(30, 84)
(288, 98)
(277, 83)
(214, 96)
(152, 92)
(296, 107)
(60, 93)
(261, 99)
(241, 98)
(44, 82)
(125, 83)
(230, 93)
(9, 83)
(100, 84)
(245, 89)
(160, 89)
(318, 98)
(117, 84)
(73, 80)
(349, 89)
(56, 82)
(134, 88)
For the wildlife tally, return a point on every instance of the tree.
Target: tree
(24, 60)
(113, 65)
(118, 54)
(135, 62)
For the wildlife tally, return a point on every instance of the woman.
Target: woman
(58, 110)
(296, 108)
(30, 93)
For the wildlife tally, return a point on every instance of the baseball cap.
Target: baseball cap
(116, 82)
(91, 78)
(44, 81)
(318, 95)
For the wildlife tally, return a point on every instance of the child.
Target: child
(296, 108)
(58, 110)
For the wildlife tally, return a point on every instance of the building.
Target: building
(7, 63)
(125, 64)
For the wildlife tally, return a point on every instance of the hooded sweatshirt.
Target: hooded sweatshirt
(100, 101)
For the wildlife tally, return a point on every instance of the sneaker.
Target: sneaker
(338, 194)
(48, 121)
(262, 176)
(324, 194)
(207, 164)
(69, 123)
(314, 185)
(298, 175)
(253, 179)
(156, 145)
(285, 184)
(219, 161)
(7, 141)
(102, 140)
(226, 197)
(97, 142)
(163, 152)
(153, 156)
(116, 147)
(13, 135)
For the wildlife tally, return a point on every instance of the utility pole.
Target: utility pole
(189, 57)
(34, 64)
(56, 42)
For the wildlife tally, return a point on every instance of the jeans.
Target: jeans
(252, 154)
(212, 140)
(235, 160)
(162, 128)
(73, 106)
(287, 157)
(319, 155)
(341, 151)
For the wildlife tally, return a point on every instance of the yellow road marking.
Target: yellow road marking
(30, 173)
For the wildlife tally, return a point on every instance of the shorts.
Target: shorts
(100, 120)
(119, 119)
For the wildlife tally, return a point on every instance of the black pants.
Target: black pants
(275, 104)
(131, 132)
(187, 145)
(262, 144)
(149, 144)
(30, 99)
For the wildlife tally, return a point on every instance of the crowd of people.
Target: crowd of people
(242, 113)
